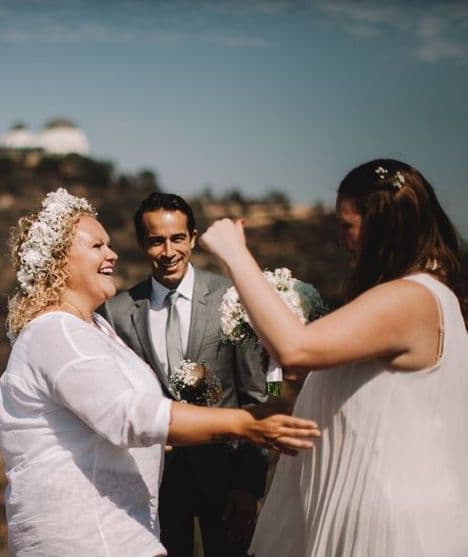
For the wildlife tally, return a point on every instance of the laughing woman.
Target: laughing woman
(82, 418)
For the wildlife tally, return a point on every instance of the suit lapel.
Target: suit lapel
(199, 317)
(140, 320)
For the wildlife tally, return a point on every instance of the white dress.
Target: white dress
(389, 477)
(82, 422)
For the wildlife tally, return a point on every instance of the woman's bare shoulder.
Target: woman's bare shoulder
(404, 302)
(401, 290)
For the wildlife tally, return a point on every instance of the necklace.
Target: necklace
(76, 308)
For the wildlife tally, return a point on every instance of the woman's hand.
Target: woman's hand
(223, 238)
(262, 425)
(278, 432)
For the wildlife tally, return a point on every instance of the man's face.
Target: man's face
(168, 245)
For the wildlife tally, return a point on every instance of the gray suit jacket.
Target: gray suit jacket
(237, 367)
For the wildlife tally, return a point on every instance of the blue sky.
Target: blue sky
(248, 94)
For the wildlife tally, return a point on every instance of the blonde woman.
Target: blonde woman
(82, 418)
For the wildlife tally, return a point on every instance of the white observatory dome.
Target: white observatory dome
(18, 137)
(61, 136)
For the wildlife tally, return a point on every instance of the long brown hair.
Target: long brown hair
(404, 228)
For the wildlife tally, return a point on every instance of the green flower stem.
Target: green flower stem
(273, 388)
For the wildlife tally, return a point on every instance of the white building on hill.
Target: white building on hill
(59, 136)
(18, 137)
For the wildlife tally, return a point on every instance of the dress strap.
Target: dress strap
(440, 342)
(433, 285)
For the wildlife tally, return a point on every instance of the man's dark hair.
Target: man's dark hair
(166, 201)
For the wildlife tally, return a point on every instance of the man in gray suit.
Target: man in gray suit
(220, 483)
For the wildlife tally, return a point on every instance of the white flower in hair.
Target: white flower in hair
(399, 180)
(381, 172)
(45, 235)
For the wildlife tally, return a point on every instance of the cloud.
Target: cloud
(138, 22)
(85, 21)
(439, 49)
(270, 8)
(238, 41)
(430, 26)
(59, 33)
(274, 8)
(440, 35)
(95, 33)
(437, 29)
(359, 12)
(432, 31)
(364, 31)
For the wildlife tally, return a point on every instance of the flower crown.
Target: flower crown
(45, 235)
(398, 180)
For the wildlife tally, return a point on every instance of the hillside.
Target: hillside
(301, 238)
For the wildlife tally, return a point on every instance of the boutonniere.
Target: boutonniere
(193, 382)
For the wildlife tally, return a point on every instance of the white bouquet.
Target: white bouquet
(193, 382)
(302, 298)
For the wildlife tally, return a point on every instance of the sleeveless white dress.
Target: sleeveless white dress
(389, 477)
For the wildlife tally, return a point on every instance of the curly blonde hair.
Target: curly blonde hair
(47, 290)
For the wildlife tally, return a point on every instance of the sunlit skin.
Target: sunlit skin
(91, 264)
(168, 245)
(350, 226)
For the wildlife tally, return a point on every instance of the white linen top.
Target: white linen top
(82, 424)
(389, 476)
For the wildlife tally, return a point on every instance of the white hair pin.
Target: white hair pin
(381, 172)
(399, 180)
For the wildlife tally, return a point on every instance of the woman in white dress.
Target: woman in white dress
(83, 421)
(389, 381)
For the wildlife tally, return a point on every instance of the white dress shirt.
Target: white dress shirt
(159, 313)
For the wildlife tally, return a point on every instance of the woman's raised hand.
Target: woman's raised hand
(223, 238)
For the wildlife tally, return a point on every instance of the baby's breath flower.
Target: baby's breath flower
(302, 298)
(45, 235)
(399, 180)
(381, 172)
(193, 382)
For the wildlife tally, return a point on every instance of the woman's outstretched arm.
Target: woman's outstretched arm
(397, 320)
(192, 425)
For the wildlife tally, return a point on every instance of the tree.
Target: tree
(147, 179)
(278, 197)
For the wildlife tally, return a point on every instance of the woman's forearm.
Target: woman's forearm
(192, 425)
